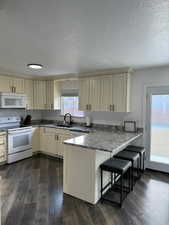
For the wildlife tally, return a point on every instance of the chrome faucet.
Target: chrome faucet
(69, 116)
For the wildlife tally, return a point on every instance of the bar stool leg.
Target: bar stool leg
(132, 176)
(143, 161)
(121, 195)
(101, 183)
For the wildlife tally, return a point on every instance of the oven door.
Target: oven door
(19, 141)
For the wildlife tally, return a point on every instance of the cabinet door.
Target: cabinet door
(35, 139)
(3, 150)
(28, 90)
(5, 84)
(49, 94)
(94, 95)
(18, 84)
(61, 145)
(120, 93)
(106, 96)
(57, 95)
(39, 93)
(84, 94)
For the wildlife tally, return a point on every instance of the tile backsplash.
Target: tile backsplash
(36, 114)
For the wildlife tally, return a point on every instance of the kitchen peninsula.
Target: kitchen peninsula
(83, 156)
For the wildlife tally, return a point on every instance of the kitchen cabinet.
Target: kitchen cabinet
(89, 96)
(39, 94)
(53, 95)
(10, 84)
(108, 93)
(51, 140)
(17, 85)
(28, 90)
(35, 139)
(121, 93)
(3, 148)
(5, 84)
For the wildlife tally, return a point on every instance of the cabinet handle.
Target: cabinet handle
(56, 137)
(87, 107)
(110, 107)
(51, 106)
(15, 89)
(2, 143)
(113, 107)
(90, 107)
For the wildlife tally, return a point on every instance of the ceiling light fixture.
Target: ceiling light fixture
(35, 66)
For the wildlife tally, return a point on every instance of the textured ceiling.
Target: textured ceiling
(71, 36)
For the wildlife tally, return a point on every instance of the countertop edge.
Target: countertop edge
(103, 149)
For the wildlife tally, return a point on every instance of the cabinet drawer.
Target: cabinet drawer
(48, 130)
(62, 131)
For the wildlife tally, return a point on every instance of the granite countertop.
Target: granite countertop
(109, 141)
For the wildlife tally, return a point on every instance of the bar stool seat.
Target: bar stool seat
(116, 165)
(142, 151)
(131, 156)
(119, 168)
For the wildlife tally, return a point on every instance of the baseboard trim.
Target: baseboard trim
(54, 156)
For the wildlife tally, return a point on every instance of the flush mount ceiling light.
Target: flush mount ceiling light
(35, 66)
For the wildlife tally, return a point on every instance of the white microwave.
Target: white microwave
(12, 100)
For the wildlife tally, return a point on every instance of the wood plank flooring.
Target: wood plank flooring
(32, 194)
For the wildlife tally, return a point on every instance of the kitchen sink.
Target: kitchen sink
(63, 125)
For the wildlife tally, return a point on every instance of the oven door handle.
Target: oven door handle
(19, 132)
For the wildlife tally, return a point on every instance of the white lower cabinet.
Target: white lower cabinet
(35, 139)
(51, 140)
(3, 149)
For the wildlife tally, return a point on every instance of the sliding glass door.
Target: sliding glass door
(157, 125)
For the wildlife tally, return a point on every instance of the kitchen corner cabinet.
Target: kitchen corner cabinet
(108, 93)
(51, 140)
(39, 94)
(53, 95)
(28, 90)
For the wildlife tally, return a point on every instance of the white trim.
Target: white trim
(150, 90)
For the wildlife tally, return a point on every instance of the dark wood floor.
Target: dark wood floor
(32, 194)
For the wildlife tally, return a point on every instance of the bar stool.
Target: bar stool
(118, 168)
(142, 153)
(133, 157)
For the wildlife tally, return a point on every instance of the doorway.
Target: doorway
(157, 126)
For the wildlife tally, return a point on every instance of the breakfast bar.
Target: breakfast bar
(83, 156)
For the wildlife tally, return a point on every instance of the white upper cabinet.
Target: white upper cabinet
(39, 94)
(53, 95)
(106, 97)
(17, 85)
(84, 90)
(89, 95)
(108, 93)
(121, 97)
(5, 84)
(10, 84)
(28, 90)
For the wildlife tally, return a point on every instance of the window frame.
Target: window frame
(61, 111)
